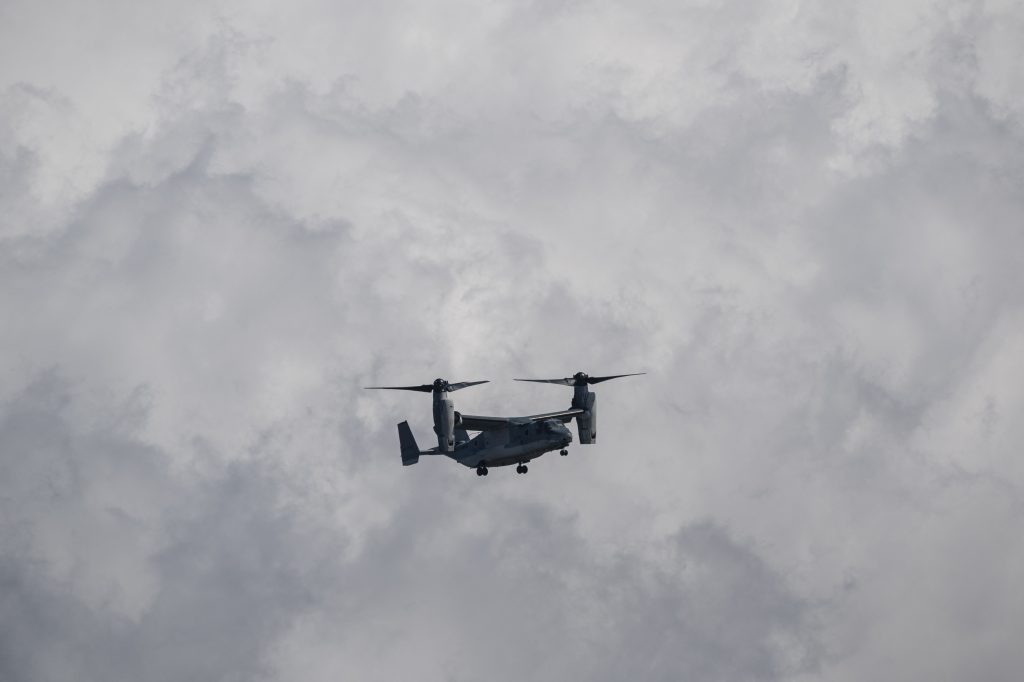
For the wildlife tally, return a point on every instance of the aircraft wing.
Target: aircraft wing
(561, 415)
(472, 422)
(478, 423)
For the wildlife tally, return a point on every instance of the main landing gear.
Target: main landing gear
(481, 470)
(563, 453)
(522, 469)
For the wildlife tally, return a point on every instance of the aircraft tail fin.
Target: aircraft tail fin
(410, 451)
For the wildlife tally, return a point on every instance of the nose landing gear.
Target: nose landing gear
(563, 453)
(522, 469)
(481, 470)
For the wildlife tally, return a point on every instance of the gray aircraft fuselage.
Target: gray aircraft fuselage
(517, 444)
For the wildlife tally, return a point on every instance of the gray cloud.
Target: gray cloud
(118, 568)
(219, 223)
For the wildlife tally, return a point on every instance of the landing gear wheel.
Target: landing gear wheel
(485, 471)
(563, 453)
(481, 471)
(525, 468)
(519, 469)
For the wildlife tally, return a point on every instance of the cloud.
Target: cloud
(220, 222)
(118, 568)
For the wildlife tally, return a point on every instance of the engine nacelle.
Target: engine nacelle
(586, 423)
(444, 424)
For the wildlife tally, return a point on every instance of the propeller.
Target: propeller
(580, 378)
(438, 385)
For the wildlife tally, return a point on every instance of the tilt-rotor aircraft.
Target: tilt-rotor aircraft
(502, 441)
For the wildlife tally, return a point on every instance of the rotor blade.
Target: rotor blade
(424, 388)
(580, 379)
(465, 384)
(597, 380)
(571, 381)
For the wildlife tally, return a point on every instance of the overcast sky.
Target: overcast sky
(219, 220)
